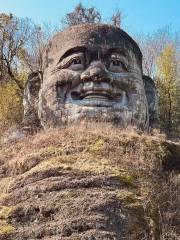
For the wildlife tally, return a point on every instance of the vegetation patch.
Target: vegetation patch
(5, 228)
(67, 183)
(6, 211)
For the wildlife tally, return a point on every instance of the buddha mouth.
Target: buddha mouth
(93, 91)
(101, 94)
(97, 94)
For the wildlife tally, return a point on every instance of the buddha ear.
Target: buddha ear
(152, 99)
(31, 99)
(33, 84)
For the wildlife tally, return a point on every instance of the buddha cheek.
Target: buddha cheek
(64, 76)
(125, 86)
(56, 86)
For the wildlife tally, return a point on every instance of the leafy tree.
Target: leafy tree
(167, 84)
(11, 108)
(82, 15)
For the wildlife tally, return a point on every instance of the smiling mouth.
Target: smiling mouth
(102, 94)
(96, 98)
(97, 94)
(93, 91)
(93, 95)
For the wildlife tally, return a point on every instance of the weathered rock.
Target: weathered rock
(31, 99)
(152, 98)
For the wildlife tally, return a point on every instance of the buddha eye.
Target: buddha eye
(116, 65)
(76, 64)
(76, 61)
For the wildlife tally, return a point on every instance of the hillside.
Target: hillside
(90, 182)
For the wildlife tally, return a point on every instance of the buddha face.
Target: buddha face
(96, 78)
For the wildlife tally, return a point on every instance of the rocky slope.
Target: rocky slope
(91, 182)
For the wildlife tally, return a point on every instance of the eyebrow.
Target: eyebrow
(73, 50)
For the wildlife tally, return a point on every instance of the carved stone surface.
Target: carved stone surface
(152, 98)
(31, 99)
(92, 71)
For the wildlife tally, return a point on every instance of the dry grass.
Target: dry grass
(169, 208)
(95, 152)
(114, 146)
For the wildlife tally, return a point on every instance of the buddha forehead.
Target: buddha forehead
(93, 37)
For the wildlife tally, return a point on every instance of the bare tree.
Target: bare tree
(14, 34)
(116, 18)
(152, 45)
(35, 46)
(22, 44)
(82, 15)
(160, 61)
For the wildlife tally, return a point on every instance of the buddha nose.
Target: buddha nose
(95, 72)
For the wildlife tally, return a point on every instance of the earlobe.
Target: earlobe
(34, 84)
(31, 99)
(152, 99)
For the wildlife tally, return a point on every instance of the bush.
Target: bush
(11, 107)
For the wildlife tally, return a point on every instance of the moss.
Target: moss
(5, 211)
(96, 165)
(51, 151)
(86, 163)
(124, 177)
(5, 184)
(54, 162)
(126, 196)
(96, 146)
(3, 196)
(6, 228)
(45, 153)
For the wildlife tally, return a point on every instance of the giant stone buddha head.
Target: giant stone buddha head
(92, 72)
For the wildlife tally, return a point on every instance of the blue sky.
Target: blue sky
(139, 15)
